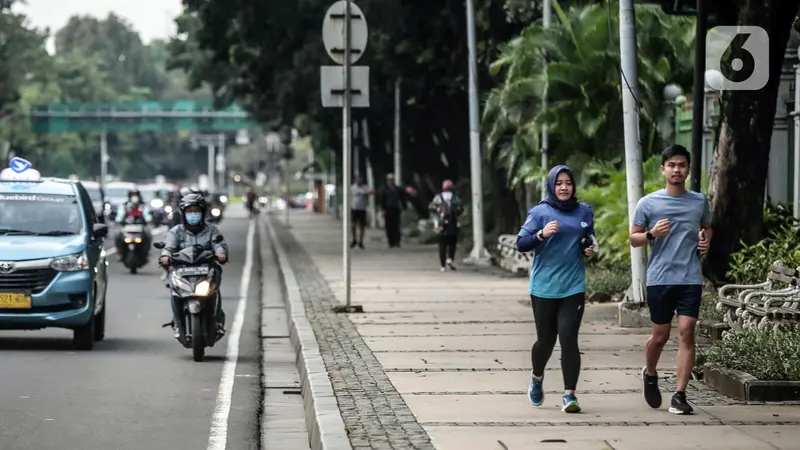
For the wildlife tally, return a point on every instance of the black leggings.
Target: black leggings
(447, 247)
(558, 318)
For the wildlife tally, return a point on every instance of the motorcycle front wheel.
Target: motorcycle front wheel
(198, 346)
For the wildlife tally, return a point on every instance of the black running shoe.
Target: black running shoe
(679, 405)
(652, 395)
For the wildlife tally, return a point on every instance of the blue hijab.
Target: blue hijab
(552, 199)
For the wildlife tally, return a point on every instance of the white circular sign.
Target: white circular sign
(333, 32)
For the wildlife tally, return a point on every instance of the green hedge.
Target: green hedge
(766, 355)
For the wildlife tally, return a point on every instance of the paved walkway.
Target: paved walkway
(442, 360)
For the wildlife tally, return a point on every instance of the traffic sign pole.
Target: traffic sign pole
(336, 89)
(347, 134)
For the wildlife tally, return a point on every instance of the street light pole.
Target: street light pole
(546, 18)
(633, 148)
(479, 255)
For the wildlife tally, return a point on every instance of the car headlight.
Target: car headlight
(215, 212)
(223, 198)
(202, 289)
(72, 263)
(157, 203)
(107, 207)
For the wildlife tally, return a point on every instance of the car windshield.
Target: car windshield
(39, 214)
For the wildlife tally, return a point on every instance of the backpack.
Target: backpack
(448, 216)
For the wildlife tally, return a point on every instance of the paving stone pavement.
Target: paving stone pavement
(440, 360)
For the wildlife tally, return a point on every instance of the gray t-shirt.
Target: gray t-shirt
(358, 197)
(673, 258)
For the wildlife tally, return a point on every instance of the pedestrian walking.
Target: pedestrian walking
(359, 192)
(446, 207)
(560, 232)
(393, 200)
(676, 223)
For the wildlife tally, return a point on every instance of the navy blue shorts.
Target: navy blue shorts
(668, 300)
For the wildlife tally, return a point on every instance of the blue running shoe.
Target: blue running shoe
(535, 392)
(569, 404)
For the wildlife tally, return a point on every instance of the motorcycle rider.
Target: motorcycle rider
(250, 200)
(134, 211)
(195, 230)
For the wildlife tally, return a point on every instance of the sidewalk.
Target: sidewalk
(442, 360)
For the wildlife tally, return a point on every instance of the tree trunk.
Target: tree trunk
(739, 172)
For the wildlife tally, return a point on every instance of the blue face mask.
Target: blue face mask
(193, 218)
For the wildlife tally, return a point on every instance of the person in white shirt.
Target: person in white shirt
(358, 210)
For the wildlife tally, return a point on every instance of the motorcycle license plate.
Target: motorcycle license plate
(184, 271)
(131, 246)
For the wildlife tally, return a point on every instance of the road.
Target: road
(138, 389)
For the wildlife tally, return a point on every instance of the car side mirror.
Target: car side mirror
(99, 231)
(217, 239)
(159, 245)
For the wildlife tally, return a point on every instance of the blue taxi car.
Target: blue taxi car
(53, 269)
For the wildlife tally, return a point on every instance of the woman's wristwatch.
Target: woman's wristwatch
(650, 236)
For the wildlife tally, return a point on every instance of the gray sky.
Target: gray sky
(151, 18)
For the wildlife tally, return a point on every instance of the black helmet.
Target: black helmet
(133, 192)
(193, 200)
(184, 191)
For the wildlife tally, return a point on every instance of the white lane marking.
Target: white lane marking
(156, 232)
(218, 437)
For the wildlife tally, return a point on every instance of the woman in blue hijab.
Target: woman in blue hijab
(560, 232)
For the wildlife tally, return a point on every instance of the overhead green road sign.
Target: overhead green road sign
(182, 115)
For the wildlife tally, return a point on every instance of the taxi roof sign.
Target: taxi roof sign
(20, 170)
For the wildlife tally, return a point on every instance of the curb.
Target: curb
(324, 422)
(745, 387)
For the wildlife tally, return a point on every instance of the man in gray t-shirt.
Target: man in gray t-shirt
(358, 210)
(676, 223)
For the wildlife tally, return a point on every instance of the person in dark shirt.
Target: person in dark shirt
(393, 200)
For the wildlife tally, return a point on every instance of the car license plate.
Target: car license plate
(200, 270)
(15, 301)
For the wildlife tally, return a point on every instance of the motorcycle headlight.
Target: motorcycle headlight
(168, 209)
(223, 198)
(157, 203)
(202, 289)
(215, 212)
(72, 263)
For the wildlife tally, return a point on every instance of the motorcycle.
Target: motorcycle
(195, 294)
(173, 216)
(215, 215)
(134, 251)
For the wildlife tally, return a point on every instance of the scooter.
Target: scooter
(195, 294)
(135, 251)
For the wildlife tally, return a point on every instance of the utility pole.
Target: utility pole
(103, 160)
(398, 158)
(633, 148)
(546, 18)
(479, 255)
(699, 97)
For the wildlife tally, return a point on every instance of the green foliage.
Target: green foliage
(609, 278)
(750, 264)
(604, 188)
(767, 355)
(574, 65)
(96, 61)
